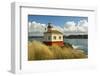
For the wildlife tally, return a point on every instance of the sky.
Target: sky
(55, 20)
(66, 24)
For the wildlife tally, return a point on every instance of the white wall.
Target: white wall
(5, 42)
(52, 37)
(57, 37)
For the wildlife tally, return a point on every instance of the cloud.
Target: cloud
(58, 28)
(83, 23)
(29, 24)
(76, 28)
(69, 28)
(36, 28)
(83, 26)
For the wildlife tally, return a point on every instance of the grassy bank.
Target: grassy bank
(40, 51)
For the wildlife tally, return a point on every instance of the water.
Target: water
(79, 43)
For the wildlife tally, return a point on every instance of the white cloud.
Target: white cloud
(83, 26)
(58, 28)
(37, 29)
(29, 24)
(72, 28)
(83, 23)
(72, 23)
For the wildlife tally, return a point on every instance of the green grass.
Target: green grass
(40, 51)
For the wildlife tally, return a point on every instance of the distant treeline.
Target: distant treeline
(77, 36)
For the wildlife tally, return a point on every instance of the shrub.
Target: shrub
(57, 52)
(79, 54)
(67, 53)
(31, 55)
(40, 51)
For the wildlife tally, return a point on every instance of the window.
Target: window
(60, 37)
(49, 37)
(54, 37)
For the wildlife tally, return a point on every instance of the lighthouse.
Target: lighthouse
(53, 37)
